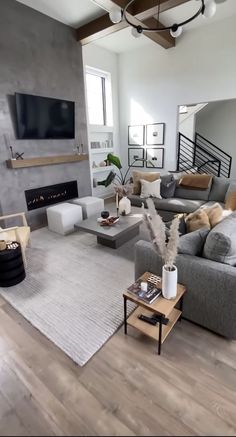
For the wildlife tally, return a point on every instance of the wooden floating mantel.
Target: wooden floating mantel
(45, 160)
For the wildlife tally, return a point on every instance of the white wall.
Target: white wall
(154, 81)
(217, 123)
(105, 60)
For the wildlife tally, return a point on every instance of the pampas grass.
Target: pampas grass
(168, 251)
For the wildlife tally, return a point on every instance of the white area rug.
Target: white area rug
(73, 290)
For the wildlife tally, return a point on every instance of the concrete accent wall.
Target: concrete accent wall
(40, 56)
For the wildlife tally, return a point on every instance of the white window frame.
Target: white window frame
(106, 93)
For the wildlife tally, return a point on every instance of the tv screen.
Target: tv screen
(44, 118)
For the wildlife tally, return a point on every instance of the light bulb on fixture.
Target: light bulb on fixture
(210, 9)
(115, 15)
(176, 30)
(136, 32)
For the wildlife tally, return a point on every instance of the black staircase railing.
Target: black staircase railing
(196, 157)
(223, 157)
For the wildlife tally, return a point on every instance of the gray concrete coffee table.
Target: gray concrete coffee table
(112, 236)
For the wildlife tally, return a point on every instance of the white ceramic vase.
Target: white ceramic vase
(169, 282)
(124, 206)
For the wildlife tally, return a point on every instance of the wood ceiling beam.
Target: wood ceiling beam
(140, 12)
(164, 39)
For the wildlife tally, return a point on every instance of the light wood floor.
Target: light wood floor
(124, 390)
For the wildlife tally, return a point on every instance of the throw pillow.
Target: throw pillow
(220, 244)
(168, 185)
(215, 214)
(200, 181)
(231, 201)
(147, 176)
(230, 197)
(193, 243)
(150, 189)
(197, 220)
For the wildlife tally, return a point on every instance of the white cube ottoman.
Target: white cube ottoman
(63, 217)
(90, 205)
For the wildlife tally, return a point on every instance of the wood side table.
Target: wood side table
(163, 308)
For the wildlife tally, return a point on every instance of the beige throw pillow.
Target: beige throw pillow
(150, 189)
(147, 176)
(215, 214)
(199, 181)
(231, 201)
(197, 220)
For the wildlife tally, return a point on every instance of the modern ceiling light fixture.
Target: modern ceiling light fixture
(207, 9)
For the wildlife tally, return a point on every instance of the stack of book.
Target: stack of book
(152, 293)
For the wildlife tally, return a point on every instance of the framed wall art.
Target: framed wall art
(155, 157)
(136, 153)
(136, 135)
(155, 134)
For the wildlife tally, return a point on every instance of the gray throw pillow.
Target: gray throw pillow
(219, 189)
(193, 243)
(220, 244)
(168, 185)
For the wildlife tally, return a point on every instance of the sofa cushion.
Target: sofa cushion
(197, 220)
(193, 243)
(168, 186)
(200, 181)
(189, 193)
(177, 205)
(219, 189)
(147, 176)
(220, 244)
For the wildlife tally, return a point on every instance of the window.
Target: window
(99, 99)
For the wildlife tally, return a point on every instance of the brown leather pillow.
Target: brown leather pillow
(147, 176)
(231, 201)
(215, 214)
(197, 220)
(200, 181)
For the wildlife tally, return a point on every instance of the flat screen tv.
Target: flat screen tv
(44, 118)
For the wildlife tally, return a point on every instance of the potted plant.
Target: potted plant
(166, 249)
(122, 183)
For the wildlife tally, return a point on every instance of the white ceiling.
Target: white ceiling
(123, 41)
(78, 12)
(74, 13)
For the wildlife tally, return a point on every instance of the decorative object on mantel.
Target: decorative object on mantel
(19, 155)
(207, 9)
(167, 250)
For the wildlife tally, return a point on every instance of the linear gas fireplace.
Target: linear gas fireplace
(45, 196)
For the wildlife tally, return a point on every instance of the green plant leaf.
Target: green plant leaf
(110, 178)
(115, 160)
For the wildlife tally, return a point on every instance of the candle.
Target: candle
(117, 200)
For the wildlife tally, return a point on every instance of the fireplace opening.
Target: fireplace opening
(46, 196)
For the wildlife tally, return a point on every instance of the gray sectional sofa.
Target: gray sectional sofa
(207, 267)
(210, 300)
(188, 200)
